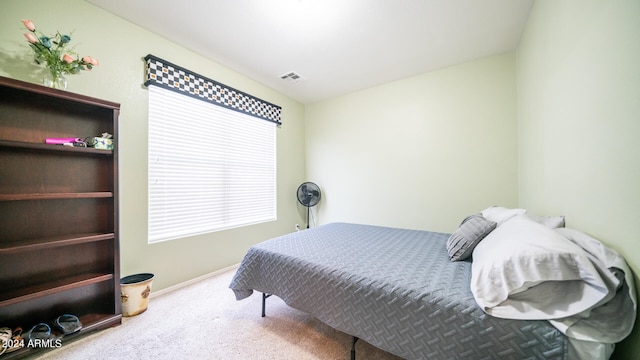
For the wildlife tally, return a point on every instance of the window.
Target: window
(210, 167)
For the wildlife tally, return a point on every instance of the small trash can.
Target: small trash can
(135, 291)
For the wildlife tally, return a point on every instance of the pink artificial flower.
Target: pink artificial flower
(29, 24)
(67, 58)
(32, 39)
(90, 60)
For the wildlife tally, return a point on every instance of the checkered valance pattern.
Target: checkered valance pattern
(180, 80)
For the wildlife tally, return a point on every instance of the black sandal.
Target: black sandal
(67, 323)
(40, 331)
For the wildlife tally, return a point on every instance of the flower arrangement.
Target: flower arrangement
(53, 51)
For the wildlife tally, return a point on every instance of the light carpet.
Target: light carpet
(204, 321)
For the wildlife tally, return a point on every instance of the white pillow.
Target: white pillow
(499, 214)
(552, 222)
(524, 270)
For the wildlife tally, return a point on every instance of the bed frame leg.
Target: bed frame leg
(353, 348)
(354, 339)
(264, 303)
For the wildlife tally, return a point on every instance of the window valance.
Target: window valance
(175, 78)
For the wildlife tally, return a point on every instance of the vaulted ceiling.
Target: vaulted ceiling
(334, 46)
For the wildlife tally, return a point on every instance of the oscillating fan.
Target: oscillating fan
(308, 195)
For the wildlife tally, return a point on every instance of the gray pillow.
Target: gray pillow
(461, 243)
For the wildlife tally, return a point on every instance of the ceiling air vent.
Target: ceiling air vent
(291, 77)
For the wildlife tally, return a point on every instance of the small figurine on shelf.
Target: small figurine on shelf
(104, 143)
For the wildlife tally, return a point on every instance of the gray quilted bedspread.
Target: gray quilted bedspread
(394, 288)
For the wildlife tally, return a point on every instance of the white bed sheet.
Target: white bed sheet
(524, 270)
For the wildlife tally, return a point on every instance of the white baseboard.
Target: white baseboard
(192, 281)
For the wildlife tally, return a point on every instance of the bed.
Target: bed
(399, 290)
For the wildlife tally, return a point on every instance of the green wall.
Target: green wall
(420, 153)
(579, 119)
(120, 47)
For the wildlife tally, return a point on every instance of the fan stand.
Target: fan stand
(308, 195)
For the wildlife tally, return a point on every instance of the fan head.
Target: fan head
(308, 194)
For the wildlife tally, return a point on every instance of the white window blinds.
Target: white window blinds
(210, 168)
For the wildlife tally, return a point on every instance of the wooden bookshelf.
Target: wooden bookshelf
(59, 239)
